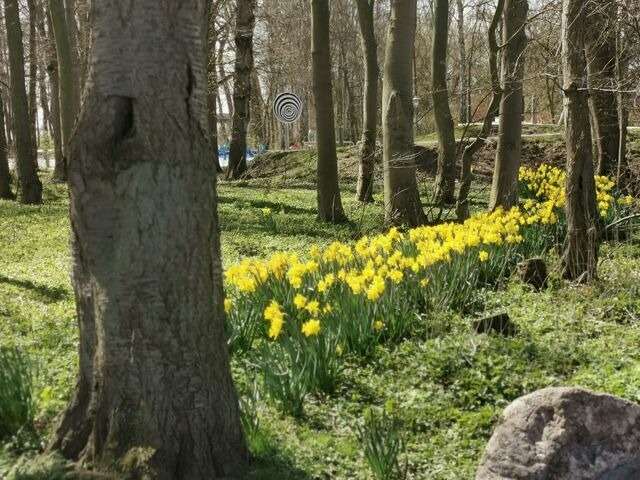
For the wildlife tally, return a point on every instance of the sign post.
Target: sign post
(287, 107)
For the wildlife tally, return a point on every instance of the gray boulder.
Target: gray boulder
(565, 434)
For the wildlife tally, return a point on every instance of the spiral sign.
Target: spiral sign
(287, 107)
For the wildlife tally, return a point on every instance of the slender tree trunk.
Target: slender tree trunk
(446, 176)
(155, 386)
(245, 21)
(350, 108)
(69, 12)
(258, 110)
(504, 191)
(464, 77)
(60, 168)
(364, 190)
(44, 99)
(224, 80)
(580, 258)
(212, 87)
(33, 79)
(5, 174)
(401, 195)
(462, 207)
(601, 68)
(66, 83)
(329, 200)
(83, 40)
(622, 67)
(29, 183)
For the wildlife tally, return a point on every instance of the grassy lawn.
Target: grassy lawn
(445, 385)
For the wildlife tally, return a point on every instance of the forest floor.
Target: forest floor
(446, 385)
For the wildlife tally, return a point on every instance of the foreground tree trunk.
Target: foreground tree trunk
(329, 201)
(155, 386)
(446, 176)
(364, 190)
(504, 191)
(66, 84)
(581, 246)
(5, 174)
(401, 196)
(29, 184)
(245, 21)
(462, 206)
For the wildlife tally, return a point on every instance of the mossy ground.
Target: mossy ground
(446, 384)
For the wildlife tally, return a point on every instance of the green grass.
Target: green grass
(541, 131)
(446, 384)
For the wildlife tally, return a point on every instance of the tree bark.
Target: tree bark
(364, 189)
(60, 168)
(401, 195)
(446, 175)
(5, 174)
(155, 385)
(65, 72)
(601, 67)
(29, 184)
(212, 86)
(33, 78)
(462, 206)
(329, 200)
(465, 116)
(69, 7)
(504, 190)
(245, 21)
(581, 246)
(44, 98)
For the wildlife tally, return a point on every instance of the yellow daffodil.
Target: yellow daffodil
(311, 328)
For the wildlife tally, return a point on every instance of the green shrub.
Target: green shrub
(382, 440)
(42, 467)
(17, 402)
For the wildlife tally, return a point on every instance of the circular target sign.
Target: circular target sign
(287, 107)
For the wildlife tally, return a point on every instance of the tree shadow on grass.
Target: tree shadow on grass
(43, 292)
(274, 206)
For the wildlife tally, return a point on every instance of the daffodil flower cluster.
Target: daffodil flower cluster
(546, 185)
(348, 297)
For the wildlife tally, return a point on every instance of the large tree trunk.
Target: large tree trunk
(504, 191)
(446, 176)
(401, 195)
(581, 247)
(155, 383)
(601, 68)
(329, 201)
(462, 207)
(29, 183)
(65, 72)
(364, 190)
(245, 21)
(5, 175)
